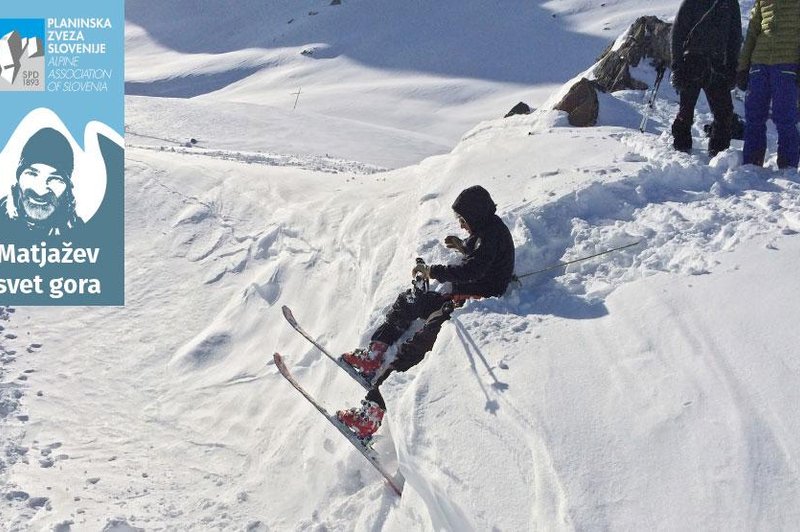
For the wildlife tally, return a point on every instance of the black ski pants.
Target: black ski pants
(719, 99)
(434, 308)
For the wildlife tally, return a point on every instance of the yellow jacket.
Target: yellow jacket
(773, 34)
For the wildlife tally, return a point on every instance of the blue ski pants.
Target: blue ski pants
(776, 85)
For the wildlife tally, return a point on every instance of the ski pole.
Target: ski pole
(517, 278)
(653, 93)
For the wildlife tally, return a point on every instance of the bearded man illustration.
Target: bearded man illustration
(41, 201)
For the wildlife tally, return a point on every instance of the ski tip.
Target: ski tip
(287, 313)
(277, 358)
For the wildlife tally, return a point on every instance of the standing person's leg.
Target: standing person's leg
(756, 112)
(719, 99)
(784, 114)
(682, 126)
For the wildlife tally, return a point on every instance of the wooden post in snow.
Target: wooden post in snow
(296, 99)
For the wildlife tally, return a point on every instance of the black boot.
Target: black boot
(681, 136)
(720, 139)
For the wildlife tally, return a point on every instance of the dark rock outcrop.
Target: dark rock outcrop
(648, 38)
(581, 104)
(521, 108)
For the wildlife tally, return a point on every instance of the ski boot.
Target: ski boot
(362, 421)
(367, 361)
(682, 136)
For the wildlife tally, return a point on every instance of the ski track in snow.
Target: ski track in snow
(314, 163)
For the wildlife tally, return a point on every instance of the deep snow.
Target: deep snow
(652, 388)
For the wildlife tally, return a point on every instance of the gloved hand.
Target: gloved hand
(742, 78)
(422, 269)
(453, 242)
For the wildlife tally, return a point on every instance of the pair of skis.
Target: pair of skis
(367, 452)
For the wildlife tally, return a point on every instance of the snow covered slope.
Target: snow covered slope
(380, 81)
(653, 388)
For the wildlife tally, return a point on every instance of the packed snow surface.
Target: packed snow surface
(654, 387)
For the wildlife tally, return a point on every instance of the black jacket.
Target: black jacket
(717, 37)
(488, 265)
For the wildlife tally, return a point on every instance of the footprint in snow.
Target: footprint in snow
(17, 496)
(64, 526)
(328, 445)
(38, 502)
(428, 197)
(631, 157)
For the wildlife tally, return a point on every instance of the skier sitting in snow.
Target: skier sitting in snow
(485, 271)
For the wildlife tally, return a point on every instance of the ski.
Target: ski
(368, 453)
(350, 370)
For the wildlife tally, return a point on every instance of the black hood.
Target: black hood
(475, 205)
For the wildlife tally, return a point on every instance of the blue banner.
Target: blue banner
(62, 161)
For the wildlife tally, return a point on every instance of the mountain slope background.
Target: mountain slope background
(649, 388)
